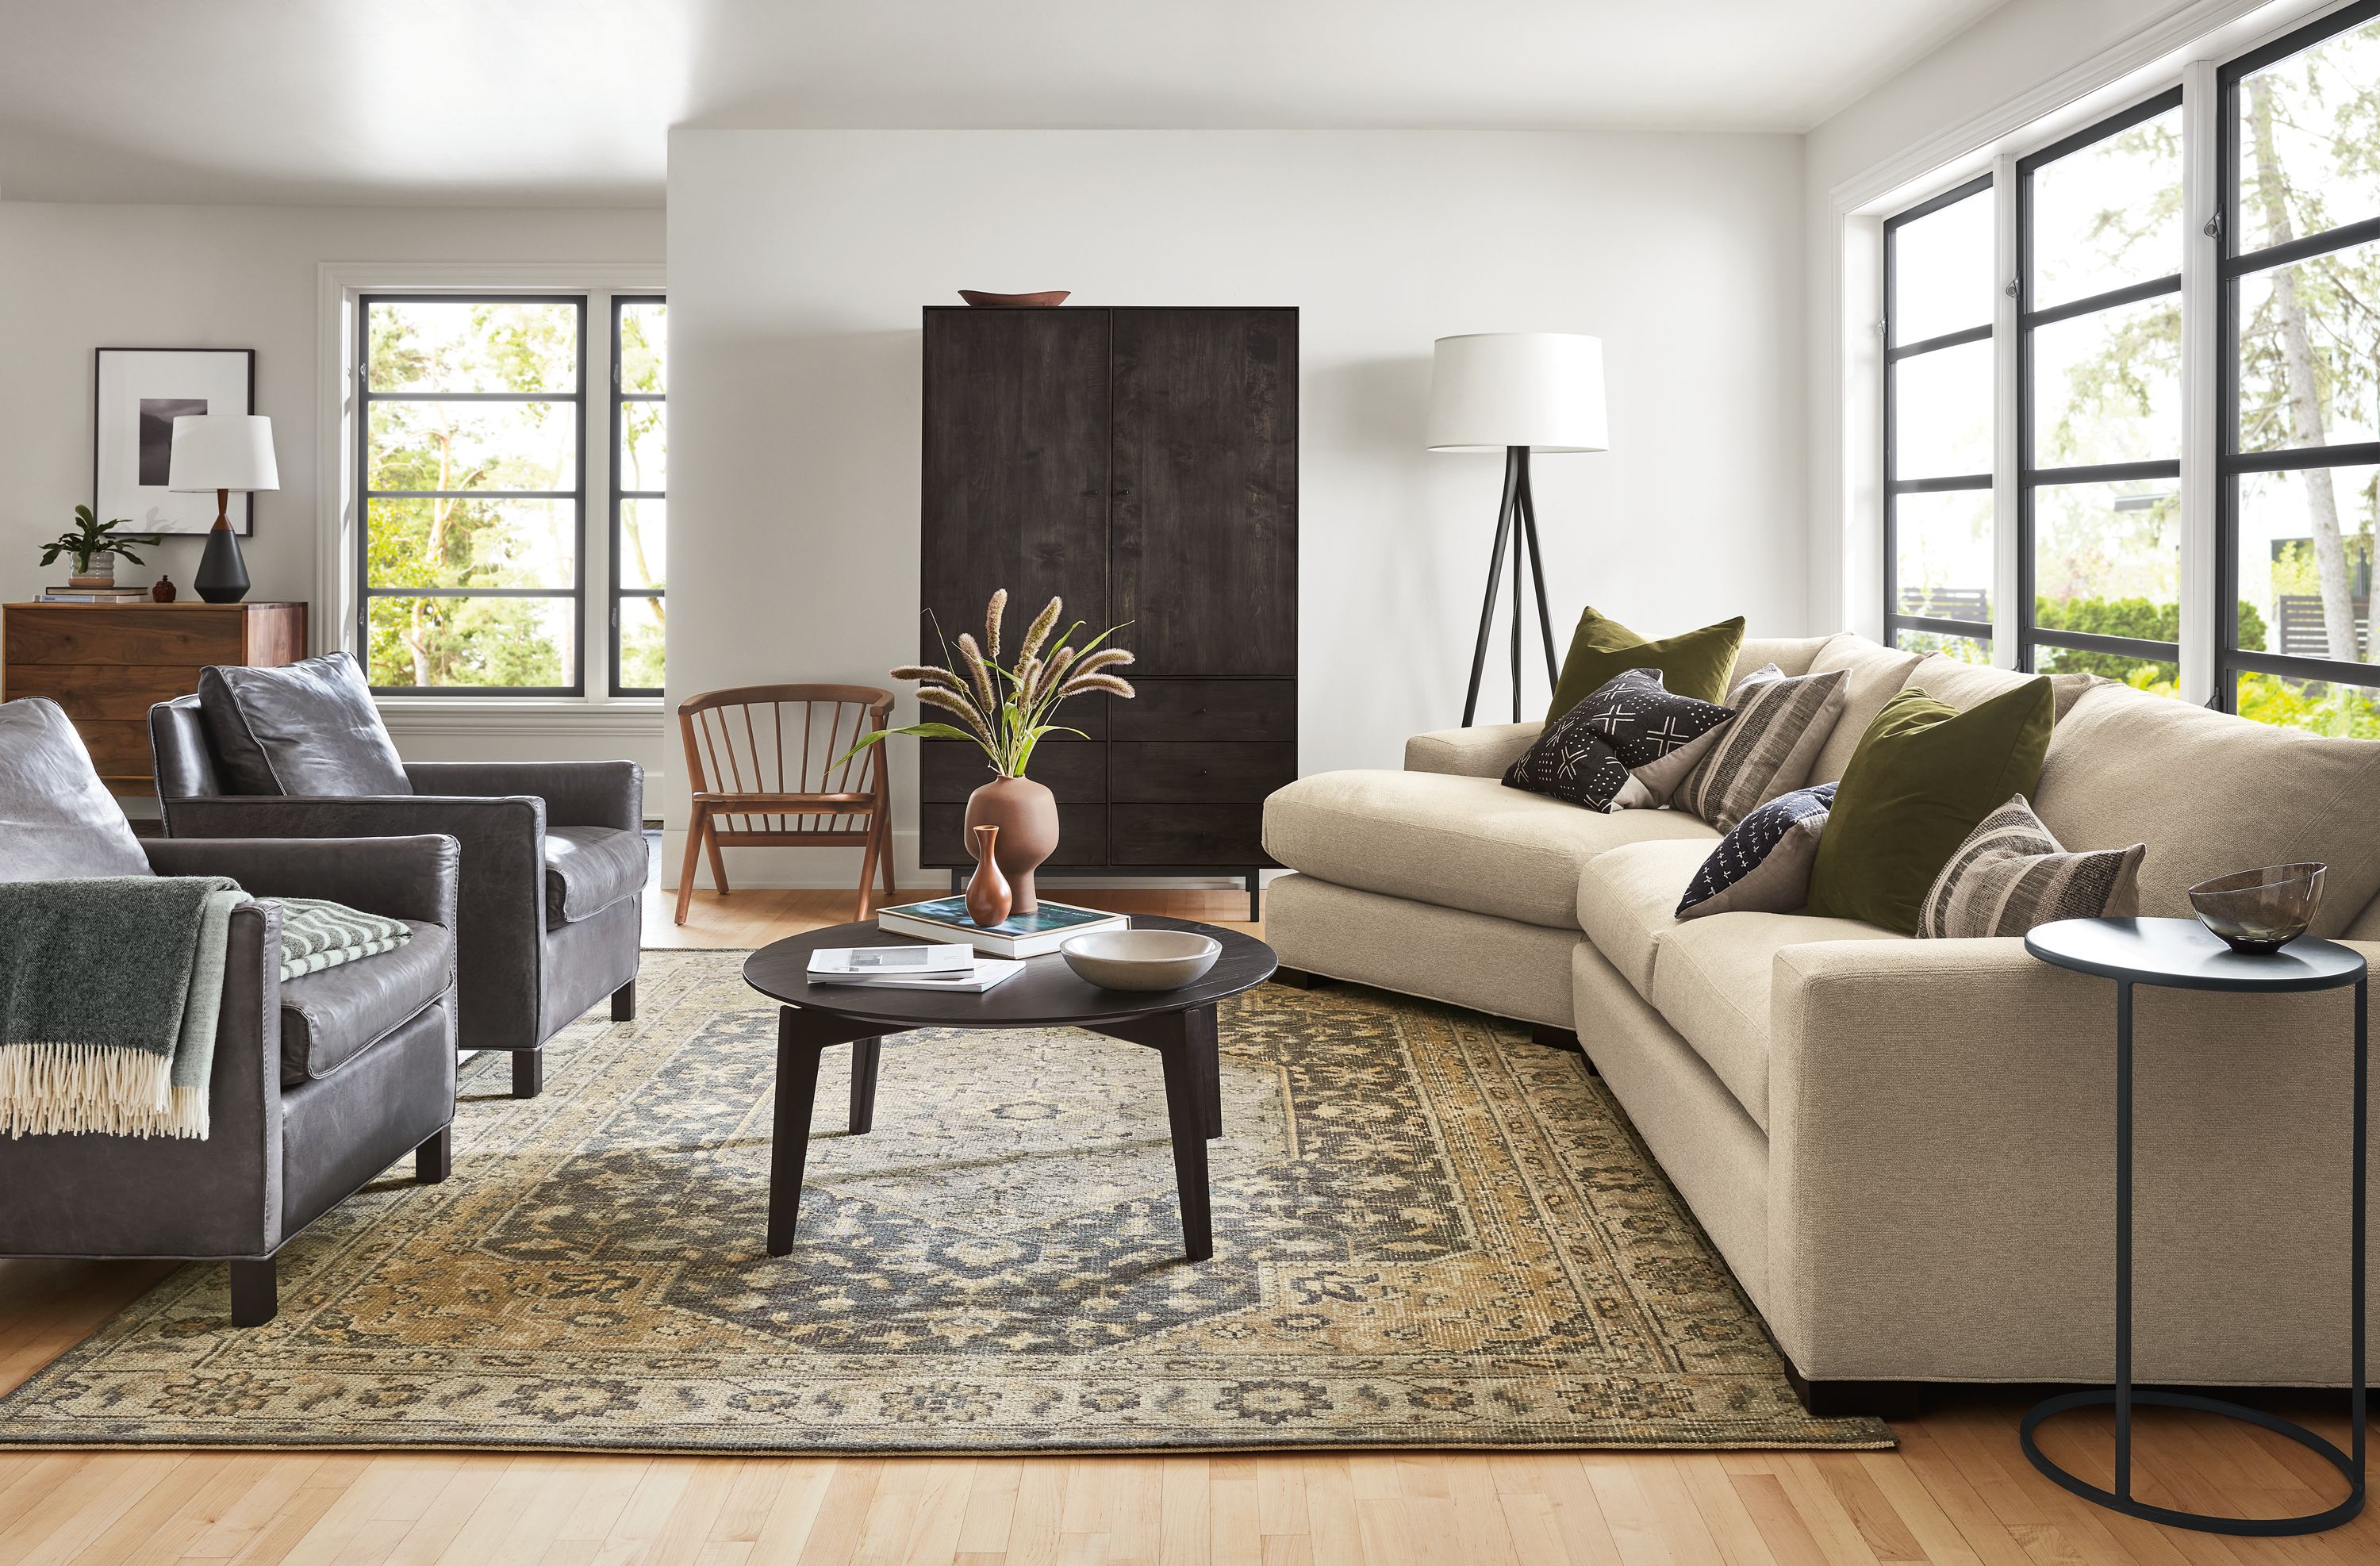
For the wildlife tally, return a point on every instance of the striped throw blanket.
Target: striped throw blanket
(317, 935)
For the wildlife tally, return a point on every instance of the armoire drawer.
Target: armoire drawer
(1171, 773)
(1225, 835)
(948, 771)
(1233, 711)
(1081, 836)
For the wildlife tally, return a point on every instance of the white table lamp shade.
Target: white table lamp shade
(1494, 390)
(222, 451)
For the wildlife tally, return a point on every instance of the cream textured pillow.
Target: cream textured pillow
(1781, 722)
(2011, 875)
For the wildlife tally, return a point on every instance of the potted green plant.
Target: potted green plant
(1005, 710)
(93, 546)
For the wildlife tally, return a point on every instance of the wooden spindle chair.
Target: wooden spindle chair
(769, 770)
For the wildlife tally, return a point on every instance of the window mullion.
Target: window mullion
(2007, 308)
(595, 511)
(2202, 263)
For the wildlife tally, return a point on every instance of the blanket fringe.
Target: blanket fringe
(48, 1090)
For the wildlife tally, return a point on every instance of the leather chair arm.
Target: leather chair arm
(576, 794)
(398, 878)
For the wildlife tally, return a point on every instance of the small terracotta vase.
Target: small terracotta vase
(988, 897)
(1027, 815)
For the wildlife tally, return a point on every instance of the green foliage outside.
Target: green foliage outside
(469, 541)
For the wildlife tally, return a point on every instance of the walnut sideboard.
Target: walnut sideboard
(108, 663)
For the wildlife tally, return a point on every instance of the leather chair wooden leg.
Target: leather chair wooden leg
(255, 1292)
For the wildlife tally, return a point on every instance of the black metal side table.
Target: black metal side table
(2181, 954)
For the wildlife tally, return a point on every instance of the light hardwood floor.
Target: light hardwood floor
(1956, 1491)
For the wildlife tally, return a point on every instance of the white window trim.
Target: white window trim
(338, 284)
(1848, 519)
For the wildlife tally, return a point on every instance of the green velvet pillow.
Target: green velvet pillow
(1925, 776)
(1693, 664)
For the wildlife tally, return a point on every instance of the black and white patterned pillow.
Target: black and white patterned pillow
(1585, 756)
(1763, 866)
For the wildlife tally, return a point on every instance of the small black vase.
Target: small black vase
(222, 574)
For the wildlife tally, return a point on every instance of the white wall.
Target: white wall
(76, 277)
(799, 260)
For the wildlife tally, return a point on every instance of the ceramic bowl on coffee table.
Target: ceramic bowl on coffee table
(1141, 959)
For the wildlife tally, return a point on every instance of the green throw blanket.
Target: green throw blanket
(109, 990)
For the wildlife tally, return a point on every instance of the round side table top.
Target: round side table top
(1046, 994)
(2185, 954)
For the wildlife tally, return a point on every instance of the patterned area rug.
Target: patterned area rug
(1429, 1232)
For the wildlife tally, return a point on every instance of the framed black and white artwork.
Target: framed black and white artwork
(140, 392)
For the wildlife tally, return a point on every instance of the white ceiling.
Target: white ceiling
(561, 102)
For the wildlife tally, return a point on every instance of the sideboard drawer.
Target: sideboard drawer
(119, 747)
(1199, 774)
(100, 690)
(1201, 710)
(83, 635)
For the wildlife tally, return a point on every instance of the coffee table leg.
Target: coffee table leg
(789, 1146)
(1185, 1109)
(864, 1053)
(1206, 1042)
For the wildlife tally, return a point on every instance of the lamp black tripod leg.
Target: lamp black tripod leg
(1516, 521)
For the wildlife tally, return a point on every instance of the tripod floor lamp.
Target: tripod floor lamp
(1516, 393)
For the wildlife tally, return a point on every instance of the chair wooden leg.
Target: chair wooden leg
(884, 855)
(528, 1072)
(694, 833)
(255, 1291)
(624, 1003)
(434, 1159)
(866, 873)
(718, 860)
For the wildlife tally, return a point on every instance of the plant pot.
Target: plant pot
(100, 572)
(1027, 815)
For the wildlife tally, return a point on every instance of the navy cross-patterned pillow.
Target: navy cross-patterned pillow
(1585, 756)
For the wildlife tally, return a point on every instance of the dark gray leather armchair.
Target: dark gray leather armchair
(320, 1084)
(554, 859)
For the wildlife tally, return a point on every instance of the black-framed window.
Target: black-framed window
(640, 492)
(1937, 423)
(470, 505)
(2299, 419)
(2099, 412)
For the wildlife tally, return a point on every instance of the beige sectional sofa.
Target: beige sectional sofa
(1905, 1149)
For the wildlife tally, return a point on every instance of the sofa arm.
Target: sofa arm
(1482, 752)
(398, 878)
(500, 916)
(576, 794)
(1941, 1174)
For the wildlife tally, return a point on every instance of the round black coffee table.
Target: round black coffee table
(2182, 954)
(1178, 1024)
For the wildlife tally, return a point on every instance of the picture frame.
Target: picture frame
(136, 394)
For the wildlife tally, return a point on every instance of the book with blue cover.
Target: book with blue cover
(1019, 935)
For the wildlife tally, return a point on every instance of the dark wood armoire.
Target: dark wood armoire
(1142, 465)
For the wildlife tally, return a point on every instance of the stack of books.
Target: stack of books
(94, 595)
(956, 970)
(1020, 935)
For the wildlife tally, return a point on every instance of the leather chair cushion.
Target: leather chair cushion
(329, 1018)
(308, 730)
(588, 869)
(58, 821)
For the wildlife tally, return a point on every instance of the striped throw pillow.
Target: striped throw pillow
(1781, 721)
(2011, 875)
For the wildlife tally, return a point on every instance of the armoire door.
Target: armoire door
(1014, 494)
(1202, 554)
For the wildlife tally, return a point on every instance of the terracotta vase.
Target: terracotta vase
(988, 897)
(1027, 815)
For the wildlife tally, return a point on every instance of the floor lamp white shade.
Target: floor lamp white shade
(1491, 390)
